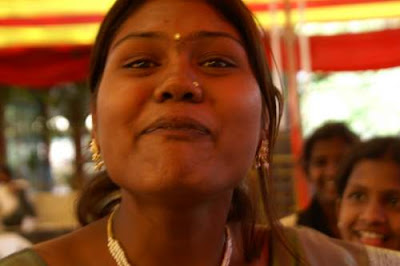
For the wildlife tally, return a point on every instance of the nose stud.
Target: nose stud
(177, 36)
(196, 84)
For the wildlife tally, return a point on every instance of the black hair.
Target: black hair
(7, 171)
(379, 148)
(327, 131)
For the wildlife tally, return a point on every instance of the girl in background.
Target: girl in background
(322, 152)
(369, 189)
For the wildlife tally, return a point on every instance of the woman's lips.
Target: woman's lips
(372, 238)
(176, 125)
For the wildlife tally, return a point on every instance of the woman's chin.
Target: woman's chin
(176, 183)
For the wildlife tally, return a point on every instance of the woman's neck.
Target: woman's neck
(154, 233)
(329, 210)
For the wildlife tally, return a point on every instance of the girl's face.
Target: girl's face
(325, 157)
(369, 211)
(178, 108)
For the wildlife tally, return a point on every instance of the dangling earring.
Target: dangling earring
(96, 156)
(177, 37)
(196, 84)
(262, 155)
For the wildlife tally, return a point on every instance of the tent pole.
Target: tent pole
(293, 108)
(3, 154)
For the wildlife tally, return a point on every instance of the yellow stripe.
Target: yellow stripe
(354, 12)
(29, 8)
(32, 8)
(52, 35)
(338, 13)
(85, 33)
(279, 1)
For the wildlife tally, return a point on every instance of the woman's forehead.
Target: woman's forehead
(375, 173)
(173, 17)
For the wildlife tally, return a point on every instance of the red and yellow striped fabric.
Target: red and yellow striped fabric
(49, 22)
(46, 42)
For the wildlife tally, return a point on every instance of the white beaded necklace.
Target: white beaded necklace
(118, 253)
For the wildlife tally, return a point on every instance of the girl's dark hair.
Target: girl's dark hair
(99, 195)
(7, 171)
(379, 148)
(327, 131)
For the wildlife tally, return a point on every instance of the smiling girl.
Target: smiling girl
(369, 188)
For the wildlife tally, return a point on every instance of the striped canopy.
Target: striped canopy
(44, 22)
(47, 42)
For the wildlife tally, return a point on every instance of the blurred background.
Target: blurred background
(332, 60)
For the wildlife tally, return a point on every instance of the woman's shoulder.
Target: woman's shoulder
(68, 249)
(11, 242)
(26, 257)
(317, 249)
(302, 245)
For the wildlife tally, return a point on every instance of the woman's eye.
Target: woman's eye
(141, 63)
(217, 63)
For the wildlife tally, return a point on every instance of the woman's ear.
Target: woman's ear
(94, 121)
(264, 129)
(94, 144)
(304, 166)
(264, 133)
(338, 205)
(339, 225)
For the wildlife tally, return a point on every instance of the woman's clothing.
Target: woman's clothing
(318, 249)
(314, 249)
(313, 217)
(26, 257)
(12, 242)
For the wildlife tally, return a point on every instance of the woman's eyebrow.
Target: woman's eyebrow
(198, 35)
(212, 34)
(355, 186)
(392, 192)
(140, 35)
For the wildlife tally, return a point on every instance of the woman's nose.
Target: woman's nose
(179, 82)
(179, 89)
(374, 212)
(331, 169)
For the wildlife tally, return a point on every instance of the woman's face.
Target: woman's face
(369, 211)
(325, 157)
(178, 108)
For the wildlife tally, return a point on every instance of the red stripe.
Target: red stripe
(51, 20)
(259, 7)
(371, 50)
(97, 18)
(43, 67)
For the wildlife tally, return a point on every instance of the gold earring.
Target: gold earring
(262, 155)
(196, 84)
(177, 36)
(96, 156)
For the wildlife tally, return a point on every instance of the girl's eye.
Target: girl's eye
(394, 201)
(357, 196)
(141, 63)
(217, 63)
(319, 162)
